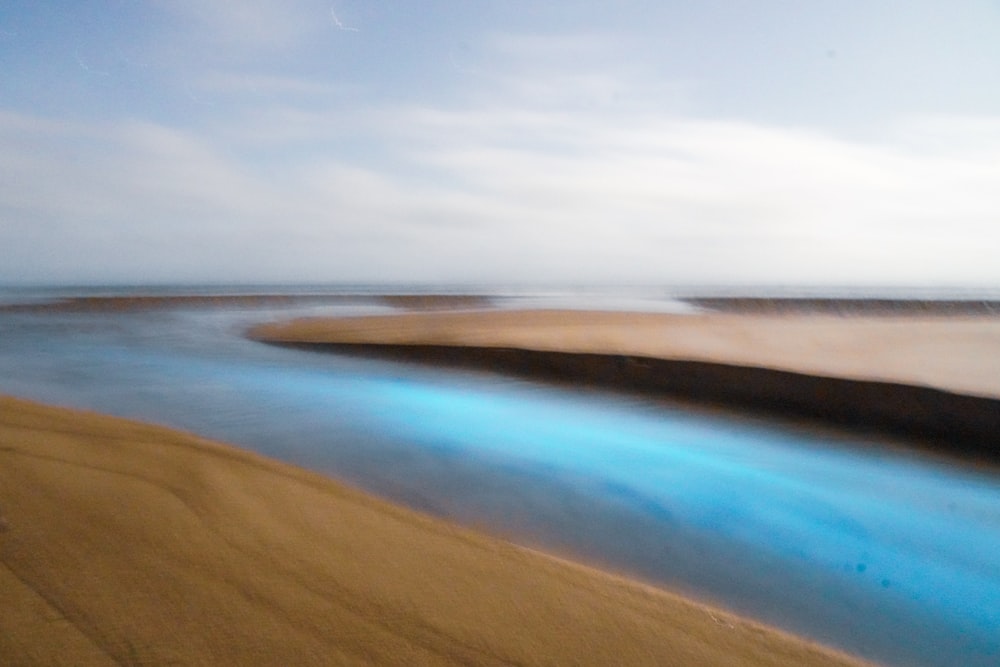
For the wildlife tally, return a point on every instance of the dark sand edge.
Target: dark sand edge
(927, 382)
(747, 305)
(847, 307)
(941, 422)
(143, 302)
(127, 543)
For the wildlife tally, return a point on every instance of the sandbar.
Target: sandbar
(932, 379)
(960, 354)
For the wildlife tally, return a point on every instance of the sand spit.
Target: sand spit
(879, 307)
(124, 543)
(119, 303)
(932, 379)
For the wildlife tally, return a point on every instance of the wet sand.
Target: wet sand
(132, 544)
(932, 379)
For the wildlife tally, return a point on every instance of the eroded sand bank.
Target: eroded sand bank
(133, 544)
(959, 354)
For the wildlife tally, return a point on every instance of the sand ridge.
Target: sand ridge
(959, 354)
(145, 302)
(132, 544)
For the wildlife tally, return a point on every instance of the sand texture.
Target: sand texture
(959, 354)
(123, 543)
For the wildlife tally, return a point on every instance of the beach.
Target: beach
(125, 543)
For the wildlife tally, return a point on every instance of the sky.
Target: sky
(500, 142)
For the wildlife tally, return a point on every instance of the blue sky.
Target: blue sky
(581, 142)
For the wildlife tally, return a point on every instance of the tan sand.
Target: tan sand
(133, 544)
(958, 354)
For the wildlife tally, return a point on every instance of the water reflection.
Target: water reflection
(884, 555)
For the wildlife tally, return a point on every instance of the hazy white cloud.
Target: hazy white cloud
(253, 24)
(469, 194)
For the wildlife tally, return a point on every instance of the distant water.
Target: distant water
(650, 298)
(860, 546)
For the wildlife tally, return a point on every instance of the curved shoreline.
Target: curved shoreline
(694, 361)
(122, 542)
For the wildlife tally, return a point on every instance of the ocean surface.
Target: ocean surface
(854, 543)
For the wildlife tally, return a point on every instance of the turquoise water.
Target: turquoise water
(884, 554)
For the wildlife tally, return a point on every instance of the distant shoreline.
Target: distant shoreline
(875, 306)
(78, 304)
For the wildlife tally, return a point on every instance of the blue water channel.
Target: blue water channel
(856, 544)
